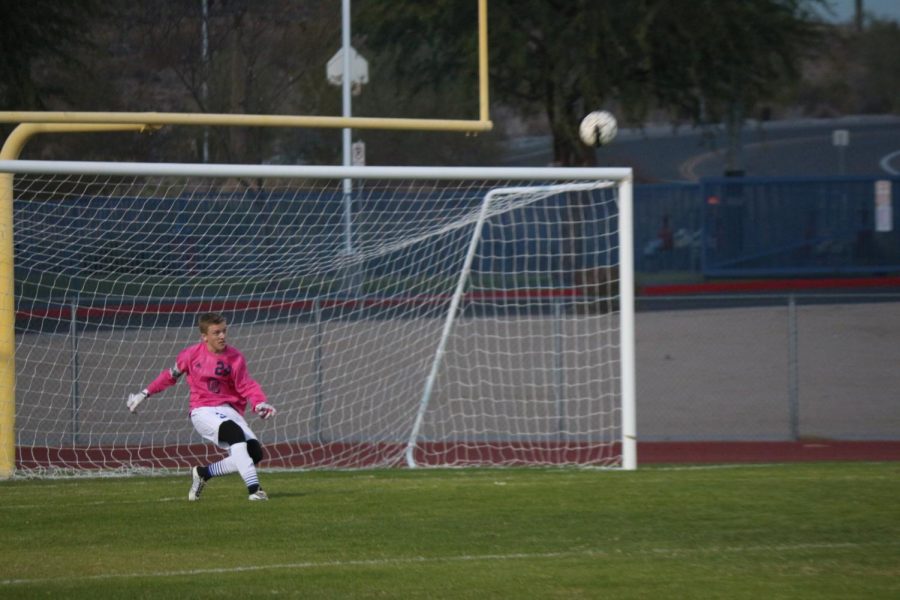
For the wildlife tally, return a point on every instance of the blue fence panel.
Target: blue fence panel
(668, 227)
(723, 227)
(764, 227)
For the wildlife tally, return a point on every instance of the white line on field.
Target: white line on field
(92, 503)
(380, 562)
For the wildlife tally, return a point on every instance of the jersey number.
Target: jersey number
(222, 370)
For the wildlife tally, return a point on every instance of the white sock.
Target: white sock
(244, 464)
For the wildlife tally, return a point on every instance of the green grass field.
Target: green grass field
(777, 531)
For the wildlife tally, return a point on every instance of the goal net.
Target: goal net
(394, 316)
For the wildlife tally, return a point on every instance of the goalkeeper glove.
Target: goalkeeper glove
(135, 399)
(264, 410)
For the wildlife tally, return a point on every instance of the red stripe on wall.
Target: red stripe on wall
(770, 285)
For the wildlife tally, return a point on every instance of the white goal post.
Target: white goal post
(424, 316)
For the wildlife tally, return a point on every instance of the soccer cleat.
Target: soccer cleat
(197, 484)
(259, 495)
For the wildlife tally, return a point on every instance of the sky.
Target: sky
(843, 10)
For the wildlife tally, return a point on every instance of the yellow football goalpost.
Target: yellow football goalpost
(31, 123)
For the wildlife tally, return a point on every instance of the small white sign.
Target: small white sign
(359, 68)
(840, 137)
(884, 211)
(358, 154)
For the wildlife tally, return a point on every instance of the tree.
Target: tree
(856, 72)
(700, 60)
(33, 31)
(37, 59)
(262, 58)
(741, 54)
(879, 57)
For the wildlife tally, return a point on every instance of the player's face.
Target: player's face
(215, 337)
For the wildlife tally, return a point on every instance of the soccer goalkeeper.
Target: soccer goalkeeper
(220, 390)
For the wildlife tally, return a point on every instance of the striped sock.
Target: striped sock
(245, 466)
(223, 467)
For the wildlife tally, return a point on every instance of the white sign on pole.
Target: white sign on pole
(358, 154)
(884, 212)
(359, 70)
(840, 137)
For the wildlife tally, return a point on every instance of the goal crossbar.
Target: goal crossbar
(314, 172)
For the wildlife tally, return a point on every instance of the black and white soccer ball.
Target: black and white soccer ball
(598, 128)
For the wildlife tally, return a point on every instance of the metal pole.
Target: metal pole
(626, 324)
(243, 120)
(74, 391)
(319, 335)
(352, 275)
(204, 89)
(347, 112)
(559, 366)
(7, 331)
(484, 104)
(793, 371)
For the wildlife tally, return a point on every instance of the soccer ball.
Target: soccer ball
(598, 128)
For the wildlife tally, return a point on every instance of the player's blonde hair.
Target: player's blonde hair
(207, 319)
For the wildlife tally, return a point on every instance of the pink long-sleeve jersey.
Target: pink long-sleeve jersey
(214, 379)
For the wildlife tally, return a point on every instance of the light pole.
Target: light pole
(351, 71)
(204, 86)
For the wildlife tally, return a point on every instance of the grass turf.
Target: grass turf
(824, 530)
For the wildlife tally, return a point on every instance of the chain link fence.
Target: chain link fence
(768, 367)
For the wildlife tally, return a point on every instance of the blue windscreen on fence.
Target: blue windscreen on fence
(273, 241)
(769, 227)
(724, 227)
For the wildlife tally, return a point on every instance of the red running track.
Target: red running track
(363, 455)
